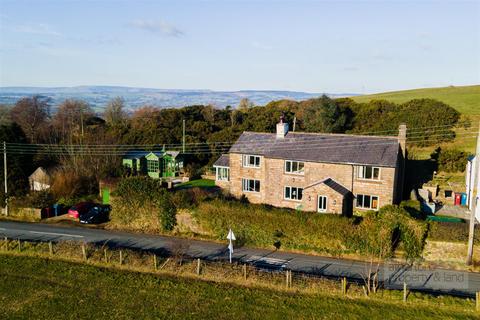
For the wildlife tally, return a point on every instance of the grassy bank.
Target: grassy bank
(37, 288)
(464, 98)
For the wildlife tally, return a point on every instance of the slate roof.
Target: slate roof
(329, 182)
(326, 148)
(135, 154)
(336, 186)
(223, 161)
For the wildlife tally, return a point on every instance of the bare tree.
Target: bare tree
(245, 104)
(31, 114)
(114, 112)
(70, 119)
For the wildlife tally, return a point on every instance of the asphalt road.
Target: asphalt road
(459, 283)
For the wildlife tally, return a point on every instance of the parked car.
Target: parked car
(80, 208)
(96, 214)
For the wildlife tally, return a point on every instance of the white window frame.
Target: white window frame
(246, 185)
(246, 161)
(290, 192)
(361, 172)
(318, 203)
(291, 162)
(153, 166)
(363, 201)
(221, 177)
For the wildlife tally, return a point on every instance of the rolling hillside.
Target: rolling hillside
(465, 99)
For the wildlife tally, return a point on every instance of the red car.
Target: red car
(79, 209)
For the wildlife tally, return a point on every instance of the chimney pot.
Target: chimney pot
(282, 130)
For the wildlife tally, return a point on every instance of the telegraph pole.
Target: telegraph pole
(183, 139)
(471, 232)
(5, 176)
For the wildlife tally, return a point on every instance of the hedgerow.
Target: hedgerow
(377, 234)
(142, 204)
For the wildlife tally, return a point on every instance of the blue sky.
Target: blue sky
(315, 46)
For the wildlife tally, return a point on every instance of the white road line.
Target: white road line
(57, 234)
(273, 261)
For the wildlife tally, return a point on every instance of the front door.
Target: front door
(322, 204)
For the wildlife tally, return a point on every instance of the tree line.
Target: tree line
(31, 121)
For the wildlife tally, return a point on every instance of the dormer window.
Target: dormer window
(251, 161)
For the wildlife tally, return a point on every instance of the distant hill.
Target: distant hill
(465, 99)
(98, 96)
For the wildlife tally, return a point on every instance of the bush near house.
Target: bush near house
(451, 160)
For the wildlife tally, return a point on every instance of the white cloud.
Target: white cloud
(261, 46)
(157, 27)
(40, 29)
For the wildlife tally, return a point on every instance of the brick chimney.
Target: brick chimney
(282, 127)
(402, 139)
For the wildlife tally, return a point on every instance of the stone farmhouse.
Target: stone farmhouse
(330, 173)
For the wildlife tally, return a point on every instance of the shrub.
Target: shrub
(182, 198)
(167, 212)
(39, 199)
(69, 184)
(139, 189)
(451, 160)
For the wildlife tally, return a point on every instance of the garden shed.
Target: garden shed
(156, 164)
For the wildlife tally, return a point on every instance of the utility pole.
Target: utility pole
(183, 139)
(294, 123)
(81, 120)
(473, 209)
(5, 176)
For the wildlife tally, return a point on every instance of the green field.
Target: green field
(465, 99)
(37, 288)
(199, 183)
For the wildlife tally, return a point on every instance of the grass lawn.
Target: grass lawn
(200, 183)
(37, 288)
(464, 98)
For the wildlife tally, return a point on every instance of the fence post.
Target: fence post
(155, 266)
(121, 257)
(245, 271)
(404, 292)
(84, 252)
(477, 300)
(105, 254)
(344, 286)
(6, 243)
(50, 248)
(19, 245)
(286, 278)
(198, 266)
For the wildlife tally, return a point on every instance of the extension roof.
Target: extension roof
(329, 182)
(326, 148)
(223, 161)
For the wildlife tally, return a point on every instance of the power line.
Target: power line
(284, 144)
(410, 131)
(112, 152)
(331, 140)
